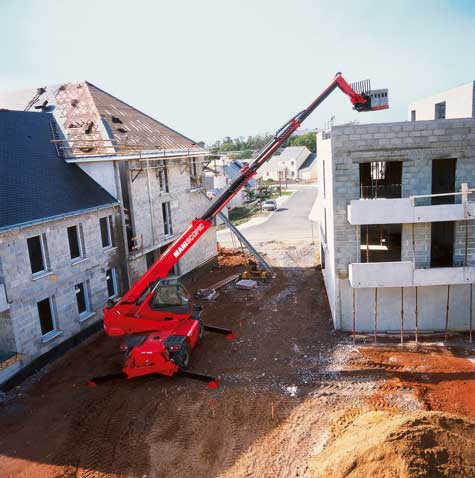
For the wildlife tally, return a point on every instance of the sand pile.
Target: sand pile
(385, 444)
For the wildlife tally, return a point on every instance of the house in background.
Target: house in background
(60, 244)
(152, 170)
(294, 163)
(455, 103)
(221, 172)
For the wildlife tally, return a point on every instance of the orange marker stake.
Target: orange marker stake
(213, 412)
(272, 411)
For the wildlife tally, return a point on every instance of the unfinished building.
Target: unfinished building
(458, 102)
(72, 261)
(153, 171)
(396, 209)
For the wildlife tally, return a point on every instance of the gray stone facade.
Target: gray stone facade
(186, 203)
(20, 329)
(415, 144)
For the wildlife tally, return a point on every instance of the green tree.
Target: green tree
(307, 139)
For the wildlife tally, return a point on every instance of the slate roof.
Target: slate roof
(35, 184)
(308, 162)
(232, 170)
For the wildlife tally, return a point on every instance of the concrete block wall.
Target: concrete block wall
(460, 103)
(416, 144)
(186, 203)
(24, 291)
(419, 250)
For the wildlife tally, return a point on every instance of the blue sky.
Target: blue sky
(212, 68)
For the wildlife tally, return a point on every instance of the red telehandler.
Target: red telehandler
(160, 324)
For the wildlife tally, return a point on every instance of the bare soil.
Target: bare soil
(384, 444)
(289, 386)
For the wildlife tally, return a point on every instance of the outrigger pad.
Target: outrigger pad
(212, 382)
(94, 382)
(219, 330)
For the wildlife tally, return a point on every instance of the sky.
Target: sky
(216, 68)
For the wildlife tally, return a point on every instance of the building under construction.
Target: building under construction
(396, 210)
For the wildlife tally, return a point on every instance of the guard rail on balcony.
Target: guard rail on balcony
(405, 210)
(375, 191)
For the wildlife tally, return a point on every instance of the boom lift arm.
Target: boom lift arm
(137, 313)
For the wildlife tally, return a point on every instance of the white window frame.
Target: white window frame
(44, 256)
(55, 330)
(82, 249)
(114, 283)
(87, 300)
(167, 206)
(110, 224)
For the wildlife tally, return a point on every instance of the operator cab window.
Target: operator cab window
(169, 296)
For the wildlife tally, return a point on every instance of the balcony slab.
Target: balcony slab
(403, 274)
(401, 211)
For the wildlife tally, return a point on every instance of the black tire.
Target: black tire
(183, 358)
(201, 329)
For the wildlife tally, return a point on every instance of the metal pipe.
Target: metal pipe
(375, 314)
(471, 297)
(447, 314)
(417, 319)
(353, 316)
(402, 315)
(466, 242)
(150, 201)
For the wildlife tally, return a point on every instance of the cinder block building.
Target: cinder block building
(396, 210)
(60, 248)
(458, 102)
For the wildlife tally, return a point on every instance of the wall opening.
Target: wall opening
(439, 112)
(443, 180)
(442, 244)
(167, 219)
(380, 243)
(380, 179)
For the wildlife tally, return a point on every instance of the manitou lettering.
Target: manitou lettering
(182, 247)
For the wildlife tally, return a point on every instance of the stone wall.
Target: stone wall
(186, 204)
(24, 290)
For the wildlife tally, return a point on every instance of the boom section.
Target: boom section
(160, 269)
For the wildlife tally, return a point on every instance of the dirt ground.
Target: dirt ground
(286, 384)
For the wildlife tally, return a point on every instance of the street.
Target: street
(289, 224)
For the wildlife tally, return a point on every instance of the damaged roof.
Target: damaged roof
(95, 122)
(36, 185)
(126, 122)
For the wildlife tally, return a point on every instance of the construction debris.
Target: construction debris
(224, 282)
(247, 284)
(206, 294)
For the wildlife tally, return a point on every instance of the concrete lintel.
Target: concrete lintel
(403, 274)
(401, 211)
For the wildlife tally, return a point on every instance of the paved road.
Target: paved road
(289, 224)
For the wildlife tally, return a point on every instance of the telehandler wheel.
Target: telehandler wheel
(183, 357)
(201, 329)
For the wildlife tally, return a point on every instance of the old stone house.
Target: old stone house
(150, 173)
(60, 254)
